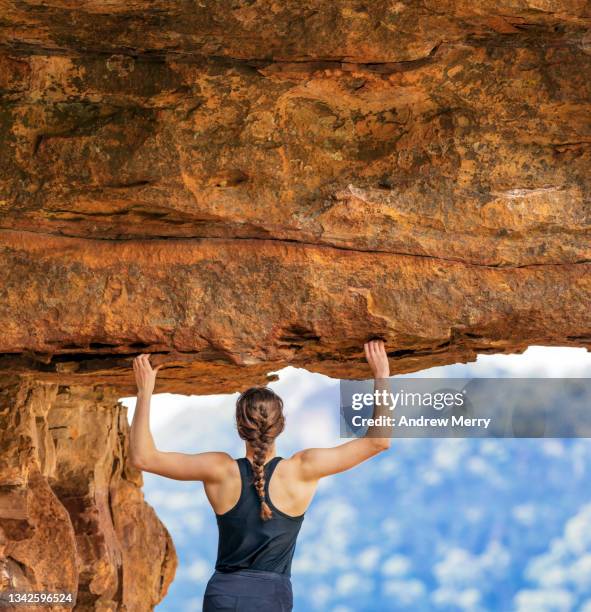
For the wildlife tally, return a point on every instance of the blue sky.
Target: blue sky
(447, 524)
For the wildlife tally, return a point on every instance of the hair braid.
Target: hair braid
(261, 446)
(259, 418)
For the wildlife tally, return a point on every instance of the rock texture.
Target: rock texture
(244, 184)
(72, 514)
(235, 309)
(235, 186)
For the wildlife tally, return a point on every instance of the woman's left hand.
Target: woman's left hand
(375, 353)
(145, 374)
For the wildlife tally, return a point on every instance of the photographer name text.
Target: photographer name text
(422, 421)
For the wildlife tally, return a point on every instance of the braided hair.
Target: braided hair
(259, 420)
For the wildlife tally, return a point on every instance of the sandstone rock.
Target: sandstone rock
(350, 30)
(72, 514)
(480, 154)
(220, 311)
(238, 186)
(213, 186)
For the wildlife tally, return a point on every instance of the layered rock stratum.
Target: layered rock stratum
(236, 186)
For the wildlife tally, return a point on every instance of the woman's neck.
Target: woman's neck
(270, 453)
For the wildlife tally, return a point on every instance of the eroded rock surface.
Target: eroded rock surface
(239, 186)
(72, 513)
(233, 309)
(235, 186)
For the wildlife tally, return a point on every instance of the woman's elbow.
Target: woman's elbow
(137, 462)
(381, 444)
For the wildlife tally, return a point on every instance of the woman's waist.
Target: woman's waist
(255, 573)
(249, 583)
(261, 584)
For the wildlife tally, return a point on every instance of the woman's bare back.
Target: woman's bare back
(287, 491)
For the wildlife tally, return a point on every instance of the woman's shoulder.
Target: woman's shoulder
(226, 464)
(289, 465)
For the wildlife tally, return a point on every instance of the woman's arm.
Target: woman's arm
(315, 463)
(144, 455)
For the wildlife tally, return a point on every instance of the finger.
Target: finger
(158, 367)
(366, 351)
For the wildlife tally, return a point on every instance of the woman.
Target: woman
(260, 499)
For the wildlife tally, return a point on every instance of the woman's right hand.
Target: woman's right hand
(376, 356)
(145, 374)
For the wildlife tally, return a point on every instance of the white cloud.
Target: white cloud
(199, 570)
(352, 584)
(457, 567)
(563, 574)
(195, 604)
(460, 568)
(321, 595)
(553, 448)
(525, 514)
(467, 600)
(396, 565)
(449, 453)
(580, 572)
(405, 592)
(391, 529)
(368, 558)
(176, 500)
(577, 533)
(479, 466)
(544, 600)
(536, 361)
(473, 514)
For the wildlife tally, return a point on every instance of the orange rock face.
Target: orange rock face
(219, 312)
(236, 189)
(72, 513)
(237, 186)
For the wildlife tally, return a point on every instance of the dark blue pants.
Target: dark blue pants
(248, 591)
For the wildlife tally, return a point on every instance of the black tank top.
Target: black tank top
(248, 542)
